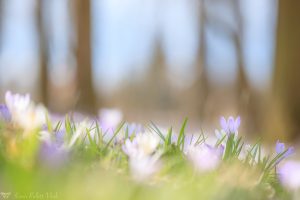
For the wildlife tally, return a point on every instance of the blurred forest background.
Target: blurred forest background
(158, 60)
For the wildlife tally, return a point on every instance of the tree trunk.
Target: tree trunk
(43, 50)
(159, 90)
(202, 84)
(287, 69)
(87, 98)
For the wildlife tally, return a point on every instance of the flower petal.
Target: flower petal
(237, 123)
(224, 124)
(279, 147)
(231, 125)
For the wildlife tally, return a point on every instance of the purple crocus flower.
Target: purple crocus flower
(289, 175)
(205, 157)
(52, 155)
(4, 113)
(280, 148)
(231, 125)
(59, 137)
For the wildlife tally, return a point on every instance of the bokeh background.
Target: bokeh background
(158, 60)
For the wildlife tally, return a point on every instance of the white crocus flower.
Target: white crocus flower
(143, 155)
(147, 143)
(204, 157)
(143, 167)
(289, 175)
(24, 112)
(142, 145)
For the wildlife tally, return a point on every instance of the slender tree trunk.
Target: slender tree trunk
(202, 84)
(43, 50)
(157, 80)
(87, 98)
(242, 82)
(287, 71)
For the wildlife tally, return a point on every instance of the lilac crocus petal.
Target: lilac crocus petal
(4, 113)
(52, 156)
(231, 125)
(59, 137)
(279, 147)
(290, 151)
(223, 123)
(237, 123)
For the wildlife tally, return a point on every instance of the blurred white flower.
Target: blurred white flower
(142, 145)
(110, 118)
(143, 155)
(143, 167)
(45, 136)
(289, 174)
(205, 157)
(24, 112)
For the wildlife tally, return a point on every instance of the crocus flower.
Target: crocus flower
(143, 157)
(52, 155)
(280, 148)
(289, 175)
(144, 167)
(133, 128)
(231, 125)
(142, 145)
(24, 112)
(109, 119)
(4, 113)
(205, 157)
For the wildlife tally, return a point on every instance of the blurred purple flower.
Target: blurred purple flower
(52, 155)
(109, 120)
(289, 175)
(218, 150)
(59, 137)
(4, 113)
(280, 148)
(231, 125)
(134, 128)
(205, 157)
